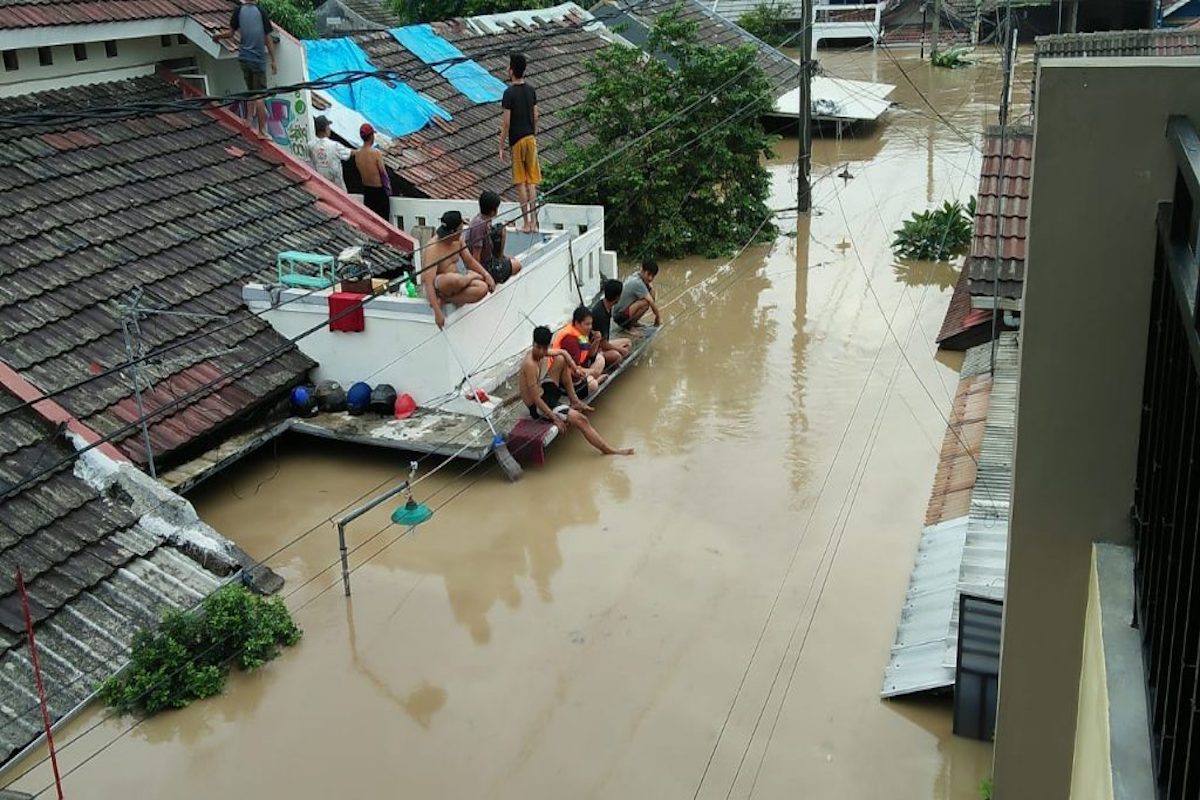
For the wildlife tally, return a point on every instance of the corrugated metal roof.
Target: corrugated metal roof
(963, 326)
(1010, 179)
(955, 477)
(924, 654)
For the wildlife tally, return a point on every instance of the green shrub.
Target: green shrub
(297, 17)
(415, 11)
(952, 57)
(187, 657)
(937, 234)
(985, 788)
(768, 22)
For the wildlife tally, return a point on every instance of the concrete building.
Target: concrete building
(1106, 423)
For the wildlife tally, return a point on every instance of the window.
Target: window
(180, 39)
(10, 61)
(81, 52)
(165, 41)
(110, 49)
(45, 57)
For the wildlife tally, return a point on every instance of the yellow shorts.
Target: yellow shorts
(525, 161)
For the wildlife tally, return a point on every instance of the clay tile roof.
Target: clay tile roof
(29, 13)
(157, 203)
(459, 160)
(1010, 180)
(96, 571)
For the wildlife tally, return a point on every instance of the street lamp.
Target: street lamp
(410, 514)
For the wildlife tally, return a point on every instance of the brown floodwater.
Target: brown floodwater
(710, 618)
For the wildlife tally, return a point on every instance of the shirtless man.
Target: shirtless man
(542, 375)
(377, 187)
(440, 276)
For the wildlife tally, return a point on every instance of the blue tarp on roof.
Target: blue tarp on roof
(476, 83)
(396, 110)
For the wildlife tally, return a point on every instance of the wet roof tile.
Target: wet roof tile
(153, 203)
(1001, 215)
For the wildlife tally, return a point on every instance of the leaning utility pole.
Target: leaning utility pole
(804, 152)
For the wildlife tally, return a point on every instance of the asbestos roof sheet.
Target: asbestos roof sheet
(94, 570)
(180, 205)
(961, 554)
(1001, 215)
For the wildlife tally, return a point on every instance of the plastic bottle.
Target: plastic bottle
(410, 287)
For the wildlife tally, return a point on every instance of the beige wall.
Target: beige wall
(1101, 163)
(1091, 769)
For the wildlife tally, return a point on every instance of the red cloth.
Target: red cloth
(353, 321)
(526, 440)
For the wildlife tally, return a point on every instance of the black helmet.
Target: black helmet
(330, 396)
(383, 400)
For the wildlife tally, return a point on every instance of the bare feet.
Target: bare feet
(602, 378)
(581, 406)
(623, 451)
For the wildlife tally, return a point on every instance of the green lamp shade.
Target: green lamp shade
(411, 513)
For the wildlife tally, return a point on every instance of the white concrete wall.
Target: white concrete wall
(134, 57)
(401, 344)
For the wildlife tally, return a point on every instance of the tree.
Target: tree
(297, 17)
(768, 22)
(693, 181)
(415, 11)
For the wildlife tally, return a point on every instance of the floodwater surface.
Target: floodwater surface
(710, 618)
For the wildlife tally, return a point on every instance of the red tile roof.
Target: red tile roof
(183, 205)
(1010, 180)
(211, 14)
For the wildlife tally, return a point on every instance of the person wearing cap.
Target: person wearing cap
(254, 50)
(327, 155)
(377, 187)
(440, 276)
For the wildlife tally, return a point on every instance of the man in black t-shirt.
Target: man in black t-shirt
(614, 350)
(518, 130)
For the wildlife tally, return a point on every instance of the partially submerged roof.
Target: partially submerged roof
(182, 205)
(1001, 216)
(458, 159)
(965, 553)
(103, 550)
(963, 326)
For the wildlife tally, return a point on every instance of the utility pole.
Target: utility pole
(937, 27)
(804, 152)
(131, 327)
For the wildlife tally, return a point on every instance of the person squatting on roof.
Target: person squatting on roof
(255, 48)
(486, 240)
(377, 186)
(518, 130)
(544, 373)
(326, 154)
(637, 297)
(440, 276)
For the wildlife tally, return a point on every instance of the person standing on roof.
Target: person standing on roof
(257, 46)
(377, 187)
(518, 130)
(326, 154)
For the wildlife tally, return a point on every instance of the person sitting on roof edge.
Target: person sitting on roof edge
(614, 350)
(377, 186)
(637, 297)
(486, 240)
(543, 371)
(326, 154)
(582, 343)
(256, 46)
(440, 276)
